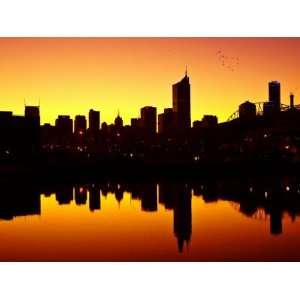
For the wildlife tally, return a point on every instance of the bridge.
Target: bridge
(260, 109)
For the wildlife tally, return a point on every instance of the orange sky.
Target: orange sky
(72, 75)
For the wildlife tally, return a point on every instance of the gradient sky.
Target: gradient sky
(72, 75)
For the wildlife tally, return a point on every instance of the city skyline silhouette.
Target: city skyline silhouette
(70, 76)
(168, 180)
(257, 133)
(286, 102)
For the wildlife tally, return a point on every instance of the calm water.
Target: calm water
(167, 221)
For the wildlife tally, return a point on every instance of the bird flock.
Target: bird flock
(230, 63)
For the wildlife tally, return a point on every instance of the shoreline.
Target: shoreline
(139, 171)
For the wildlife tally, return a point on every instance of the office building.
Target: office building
(64, 130)
(118, 122)
(182, 103)
(273, 106)
(148, 119)
(166, 121)
(48, 136)
(274, 94)
(80, 125)
(135, 123)
(94, 120)
(197, 124)
(33, 113)
(64, 125)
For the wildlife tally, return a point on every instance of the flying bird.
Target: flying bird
(228, 62)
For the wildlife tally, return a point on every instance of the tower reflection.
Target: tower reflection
(94, 201)
(167, 193)
(64, 195)
(183, 215)
(80, 195)
(149, 197)
(178, 197)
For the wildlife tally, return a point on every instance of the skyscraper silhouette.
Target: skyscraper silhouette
(135, 123)
(274, 94)
(166, 121)
(64, 130)
(148, 119)
(31, 126)
(118, 122)
(274, 103)
(182, 103)
(94, 120)
(79, 124)
(33, 113)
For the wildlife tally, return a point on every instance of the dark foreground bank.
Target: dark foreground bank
(66, 168)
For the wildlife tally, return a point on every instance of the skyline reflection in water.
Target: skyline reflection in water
(212, 220)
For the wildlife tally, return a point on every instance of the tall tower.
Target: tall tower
(33, 113)
(118, 121)
(274, 94)
(182, 215)
(182, 103)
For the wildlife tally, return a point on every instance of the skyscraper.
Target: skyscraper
(64, 124)
(148, 119)
(94, 120)
(273, 105)
(135, 123)
(118, 122)
(32, 124)
(182, 103)
(166, 121)
(33, 113)
(64, 130)
(274, 94)
(80, 124)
